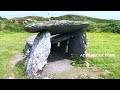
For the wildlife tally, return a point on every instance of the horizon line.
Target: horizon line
(58, 16)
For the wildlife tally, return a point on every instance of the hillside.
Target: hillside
(96, 24)
(17, 24)
(20, 20)
(84, 18)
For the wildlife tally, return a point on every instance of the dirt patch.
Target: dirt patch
(56, 67)
(64, 70)
(59, 67)
(79, 73)
(16, 60)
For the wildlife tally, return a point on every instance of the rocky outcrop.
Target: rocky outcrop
(63, 36)
(57, 26)
(38, 55)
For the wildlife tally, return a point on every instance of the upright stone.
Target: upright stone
(28, 46)
(77, 45)
(38, 55)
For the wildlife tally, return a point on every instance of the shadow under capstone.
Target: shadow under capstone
(57, 54)
(57, 62)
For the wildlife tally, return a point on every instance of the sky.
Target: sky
(97, 14)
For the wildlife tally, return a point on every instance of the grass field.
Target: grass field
(99, 44)
(105, 43)
(10, 44)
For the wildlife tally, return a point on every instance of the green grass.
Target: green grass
(19, 71)
(99, 43)
(10, 44)
(105, 43)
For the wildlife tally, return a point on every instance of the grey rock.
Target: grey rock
(87, 64)
(46, 78)
(28, 46)
(92, 77)
(77, 45)
(31, 39)
(106, 72)
(27, 51)
(54, 40)
(56, 26)
(84, 76)
(38, 55)
(61, 37)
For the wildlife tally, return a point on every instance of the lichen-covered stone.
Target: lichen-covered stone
(56, 26)
(61, 37)
(77, 45)
(38, 55)
(28, 46)
(31, 39)
(54, 40)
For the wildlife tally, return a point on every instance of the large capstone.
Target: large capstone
(61, 37)
(38, 55)
(57, 26)
(77, 45)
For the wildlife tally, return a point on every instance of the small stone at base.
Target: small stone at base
(46, 78)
